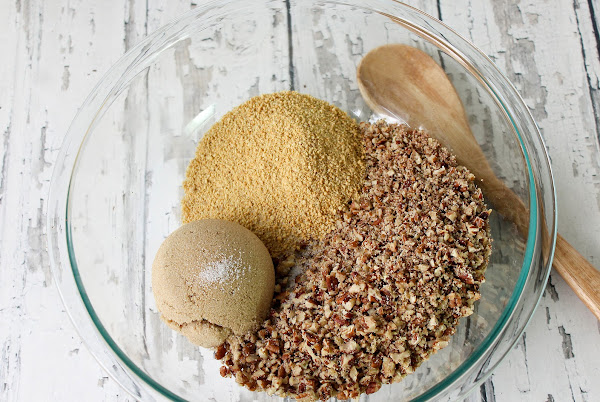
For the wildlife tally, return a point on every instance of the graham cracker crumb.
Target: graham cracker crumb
(280, 165)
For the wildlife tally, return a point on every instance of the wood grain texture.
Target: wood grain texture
(548, 50)
(577, 272)
(55, 53)
(51, 59)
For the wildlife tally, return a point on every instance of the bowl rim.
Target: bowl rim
(60, 244)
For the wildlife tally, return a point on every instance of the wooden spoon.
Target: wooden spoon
(403, 82)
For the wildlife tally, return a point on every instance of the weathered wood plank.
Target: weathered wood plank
(550, 53)
(52, 60)
(548, 49)
(588, 28)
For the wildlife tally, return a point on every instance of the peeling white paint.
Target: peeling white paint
(53, 54)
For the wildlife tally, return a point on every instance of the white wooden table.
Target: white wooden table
(53, 52)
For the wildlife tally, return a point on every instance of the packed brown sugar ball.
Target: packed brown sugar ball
(211, 279)
(281, 165)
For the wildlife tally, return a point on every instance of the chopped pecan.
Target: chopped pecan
(273, 346)
(220, 352)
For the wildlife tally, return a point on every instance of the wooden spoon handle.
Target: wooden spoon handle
(579, 274)
(506, 202)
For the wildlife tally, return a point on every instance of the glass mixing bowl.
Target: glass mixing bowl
(116, 187)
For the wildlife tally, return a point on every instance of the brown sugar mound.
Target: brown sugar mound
(280, 165)
(212, 278)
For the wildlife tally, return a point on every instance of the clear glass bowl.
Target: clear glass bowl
(116, 188)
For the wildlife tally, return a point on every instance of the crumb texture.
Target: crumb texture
(382, 291)
(280, 165)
